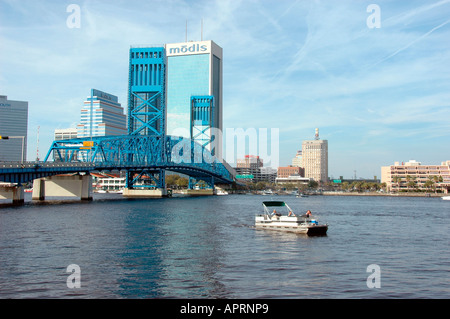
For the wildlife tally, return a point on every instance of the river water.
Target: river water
(206, 247)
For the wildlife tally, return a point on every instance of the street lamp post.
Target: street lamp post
(23, 142)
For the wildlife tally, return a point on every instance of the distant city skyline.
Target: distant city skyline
(378, 95)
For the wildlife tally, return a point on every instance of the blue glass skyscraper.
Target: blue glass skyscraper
(176, 89)
(194, 92)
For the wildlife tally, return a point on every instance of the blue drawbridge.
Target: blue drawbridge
(146, 152)
(145, 158)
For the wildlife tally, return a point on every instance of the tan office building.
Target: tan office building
(413, 176)
(315, 159)
(250, 161)
(297, 160)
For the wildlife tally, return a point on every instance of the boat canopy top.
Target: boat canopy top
(274, 204)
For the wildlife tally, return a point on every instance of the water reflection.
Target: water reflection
(207, 247)
(174, 250)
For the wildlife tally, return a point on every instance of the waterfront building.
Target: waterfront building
(315, 158)
(108, 182)
(101, 115)
(259, 174)
(290, 171)
(291, 174)
(413, 175)
(14, 125)
(194, 93)
(268, 174)
(295, 179)
(250, 168)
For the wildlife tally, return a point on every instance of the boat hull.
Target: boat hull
(311, 230)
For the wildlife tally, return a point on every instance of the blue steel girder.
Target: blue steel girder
(147, 119)
(139, 152)
(146, 111)
(146, 91)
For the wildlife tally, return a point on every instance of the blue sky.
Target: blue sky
(377, 95)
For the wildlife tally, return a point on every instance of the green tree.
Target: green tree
(432, 179)
(260, 185)
(397, 179)
(345, 186)
(182, 182)
(428, 185)
(312, 184)
(289, 186)
(171, 180)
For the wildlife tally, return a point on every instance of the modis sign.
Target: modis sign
(188, 48)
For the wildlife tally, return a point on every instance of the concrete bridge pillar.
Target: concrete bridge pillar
(62, 186)
(15, 193)
(38, 189)
(145, 193)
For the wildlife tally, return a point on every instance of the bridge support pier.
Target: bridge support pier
(145, 193)
(15, 193)
(38, 189)
(63, 185)
(200, 192)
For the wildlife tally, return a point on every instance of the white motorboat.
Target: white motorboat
(288, 222)
(446, 197)
(221, 192)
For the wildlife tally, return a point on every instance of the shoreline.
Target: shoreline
(434, 195)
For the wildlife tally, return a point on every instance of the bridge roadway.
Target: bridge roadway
(20, 173)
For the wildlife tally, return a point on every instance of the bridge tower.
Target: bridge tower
(147, 114)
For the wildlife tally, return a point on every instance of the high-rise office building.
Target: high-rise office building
(176, 89)
(194, 92)
(101, 115)
(315, 158)
(14, 125)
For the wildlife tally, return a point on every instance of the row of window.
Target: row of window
(146, 55)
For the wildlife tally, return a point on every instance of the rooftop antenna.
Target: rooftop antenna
(317, 134)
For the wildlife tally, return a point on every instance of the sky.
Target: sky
(377, 94)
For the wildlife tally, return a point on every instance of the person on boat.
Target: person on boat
(291, 214)
(308, 213)
(274, 213)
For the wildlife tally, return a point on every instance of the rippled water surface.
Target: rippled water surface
(206, 247)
